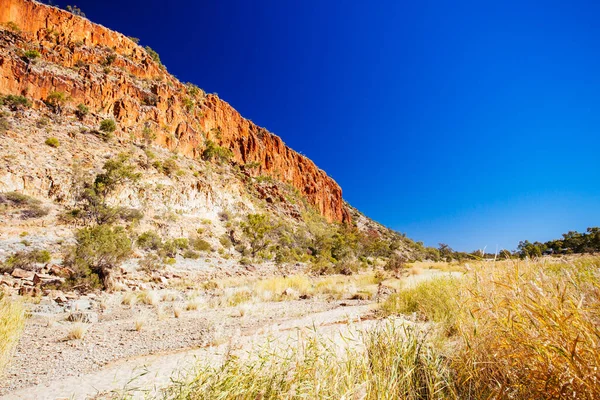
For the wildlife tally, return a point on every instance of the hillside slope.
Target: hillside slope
(112, 170)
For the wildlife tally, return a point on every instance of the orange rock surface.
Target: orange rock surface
(139, 93)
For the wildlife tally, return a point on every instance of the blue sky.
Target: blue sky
(472, 123)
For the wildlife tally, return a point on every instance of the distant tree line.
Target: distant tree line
(572, 242)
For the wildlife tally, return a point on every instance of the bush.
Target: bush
(396, 263)
(52, 142)
(173, 246)
(4, 124)
(191, 254)
(27, 259)
(13, 26)
(200, 244)
(56, 100)
(108, 126)
(12, 322)
(16, 102)
(153, 55)
(82, 111)
(99, 250)
(75, 11)
(215, 152)
(32, 54)
(149, 240)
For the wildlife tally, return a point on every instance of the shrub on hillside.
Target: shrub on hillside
(52, 142)
(108, 126)
(26, 260)
(149, 240)
(98, 251)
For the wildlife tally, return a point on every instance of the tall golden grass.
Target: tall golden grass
(12, 321)
(505, 330)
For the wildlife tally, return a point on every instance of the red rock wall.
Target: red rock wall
(79, 46)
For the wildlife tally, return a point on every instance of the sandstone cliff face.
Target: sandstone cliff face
(116, 78)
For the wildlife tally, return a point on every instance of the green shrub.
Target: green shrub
(225, 241)
(4, 124)
(134, 39)
(27, 259)
(171, 247)
(75, 11)
(52, 142)
(153, 55)
(56, 100)
(191, 254)
(82, 111)
(32, 54)
(99, 250)
(149, 240)
(16, 102)
(108, 126)
(215, 152)
(200, 244)
(13, 26)
(109, 60)
(396, 263)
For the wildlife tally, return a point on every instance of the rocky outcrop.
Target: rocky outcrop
(113, 76)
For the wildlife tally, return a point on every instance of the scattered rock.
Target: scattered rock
(22, 274)
(86, 317)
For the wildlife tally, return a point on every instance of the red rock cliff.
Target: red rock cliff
(114, 76)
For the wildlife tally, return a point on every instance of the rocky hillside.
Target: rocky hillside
(113, 76)
(113, 173)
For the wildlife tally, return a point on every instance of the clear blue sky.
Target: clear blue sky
(472, 123)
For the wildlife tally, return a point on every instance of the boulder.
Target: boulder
(22, 274)
(86, 317)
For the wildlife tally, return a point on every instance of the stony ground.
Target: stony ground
(144, 345)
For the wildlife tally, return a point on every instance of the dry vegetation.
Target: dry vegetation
(513, 329)
(12, 321)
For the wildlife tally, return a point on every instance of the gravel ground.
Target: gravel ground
(44, 354)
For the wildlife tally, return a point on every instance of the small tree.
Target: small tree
(99, 250)
(82, 111)
(258, 229)
(56, 101)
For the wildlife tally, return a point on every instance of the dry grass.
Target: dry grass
(12, 321)
(516, 330)
(129, 299)
(176, 312)
(139, 323)
(521, 329)
(386, 363)
(148, 297)
(77, 331)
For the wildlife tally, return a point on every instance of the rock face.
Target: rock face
(116, 78)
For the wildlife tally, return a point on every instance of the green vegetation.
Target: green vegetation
(82, 111)
(153, 55)
(26, 260)
(12, 322)
(13, 26)
(56, 100)
(149, 240)
(28, 206)
(215, 152)
(15, 102)
(99, 250)
(31, 54)
(92, 196)
(572, 242)
(52, 142)
(108, 126)
(75, 11)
